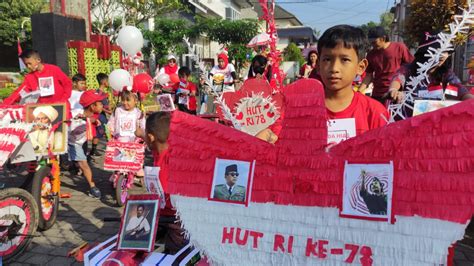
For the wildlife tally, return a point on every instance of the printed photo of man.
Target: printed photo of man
(138, 227)
(230, 190)
(376, 200)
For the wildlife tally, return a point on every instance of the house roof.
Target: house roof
(297, 32)
(280, 14)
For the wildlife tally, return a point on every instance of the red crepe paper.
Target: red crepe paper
(432, 154)
(115, 150)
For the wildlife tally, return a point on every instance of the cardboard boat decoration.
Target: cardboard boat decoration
(295, 199)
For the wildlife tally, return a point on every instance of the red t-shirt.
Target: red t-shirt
(383, 64)
(192, 105)
(162, 160)
(62, 86)
(368, 113)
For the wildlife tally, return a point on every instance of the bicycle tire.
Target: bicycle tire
(121, 190)
(48, 203)
(20, 203)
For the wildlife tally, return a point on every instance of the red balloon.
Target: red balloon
(142, 83)
(174, 78)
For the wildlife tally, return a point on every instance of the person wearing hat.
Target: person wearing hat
(171, 68)
(384, 59)
(44, 117)
(224, 73)
(230, 190)
(443, 83)
(92, 103)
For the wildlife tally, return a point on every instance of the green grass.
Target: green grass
(5, 92)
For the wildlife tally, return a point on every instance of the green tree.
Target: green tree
(233, 34)
(167, 37)
(13, 14)
(293, 53)
(429, 16)
(368, 26)
(134, 12)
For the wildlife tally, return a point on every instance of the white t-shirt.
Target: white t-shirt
(77, 132)
(123, 123)
(76, 107)
(226, 72)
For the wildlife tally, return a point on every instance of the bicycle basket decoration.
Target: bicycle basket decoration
(124, 156)
(11, 136)
(409, 188)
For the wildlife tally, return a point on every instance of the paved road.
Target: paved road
(80, 219)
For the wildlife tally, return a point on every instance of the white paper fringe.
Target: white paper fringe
(410, 241)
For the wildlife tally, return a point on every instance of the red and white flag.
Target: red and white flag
(22, 65)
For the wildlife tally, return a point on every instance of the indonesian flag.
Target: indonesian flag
(22, 65)
(450, 90)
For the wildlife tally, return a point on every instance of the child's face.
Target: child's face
(105, 83)
(80, 85)
(129, 103)
(339, 66)
(97, 107)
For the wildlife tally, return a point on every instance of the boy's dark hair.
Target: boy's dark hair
(158, 124)
(378, 32)
(351, 37)
(78, 77)
(100, 77)
(28, 53)
(184, 71)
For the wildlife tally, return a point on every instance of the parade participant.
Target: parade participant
(103, 81)
(230, 190)
(126, 118)
(78, 87)
(92, 103)
(126, 121)
(342, 50)
(186, 91)
(138, 226)
(157, 132)
(260, 68)
(384, 60)
(171, 67)
(440, 75)
(310, 68)
(53, 84)
(223, 73)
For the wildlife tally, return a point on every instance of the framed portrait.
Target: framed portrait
(47, 117)
(127, 156)
(139, 223)
(165, 102)
(367, 191)
(153, 184)
(232, 181)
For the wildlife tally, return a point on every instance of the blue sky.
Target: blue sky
(322, 15)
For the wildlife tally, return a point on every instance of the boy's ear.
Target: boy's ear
(362, 66)
(151, 137)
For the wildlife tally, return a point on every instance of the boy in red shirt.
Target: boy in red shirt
(156, 136)
(186, 91)
(342, 57)
(53, 84)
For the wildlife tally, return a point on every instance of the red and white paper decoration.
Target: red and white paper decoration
(294, 215)
(11, 137)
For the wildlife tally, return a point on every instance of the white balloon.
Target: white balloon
(163, 79)
(119, 78)
(130, 39)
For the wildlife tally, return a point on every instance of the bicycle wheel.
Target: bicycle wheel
(18, 222)
(42, 190)
(121, 189)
